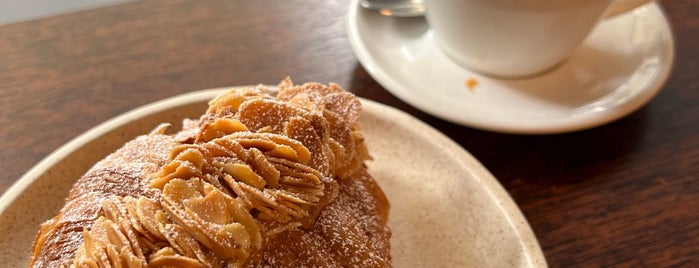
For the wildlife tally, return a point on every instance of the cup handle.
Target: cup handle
(620, 6)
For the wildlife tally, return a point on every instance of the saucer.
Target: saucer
(620, 67)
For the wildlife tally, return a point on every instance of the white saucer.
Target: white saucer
(619, 68)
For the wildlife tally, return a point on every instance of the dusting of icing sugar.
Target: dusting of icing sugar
(258, 181)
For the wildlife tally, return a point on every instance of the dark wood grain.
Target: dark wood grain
(624, 194)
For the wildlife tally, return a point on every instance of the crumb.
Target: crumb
(471, 84)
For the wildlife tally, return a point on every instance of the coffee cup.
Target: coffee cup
(516, 38)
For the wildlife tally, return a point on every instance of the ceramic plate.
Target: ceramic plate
(447, 209)
(619, 68)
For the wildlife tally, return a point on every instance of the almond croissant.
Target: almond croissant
(257, 181)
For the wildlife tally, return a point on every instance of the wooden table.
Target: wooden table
(624, 194)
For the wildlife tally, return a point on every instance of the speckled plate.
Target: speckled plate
(447, 209)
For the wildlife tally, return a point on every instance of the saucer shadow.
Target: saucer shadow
(597, 72)
(409, 28)
(540, 166)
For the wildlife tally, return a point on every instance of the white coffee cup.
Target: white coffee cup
(516, 38)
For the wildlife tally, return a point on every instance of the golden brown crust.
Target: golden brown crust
(257, 181)
(349, 232)
(120, 174)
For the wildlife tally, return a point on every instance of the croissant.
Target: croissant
(257, 181)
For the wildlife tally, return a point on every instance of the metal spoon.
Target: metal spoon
(397, 8)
